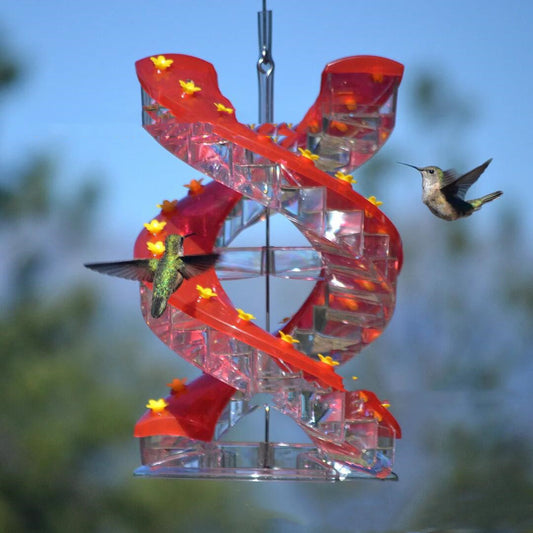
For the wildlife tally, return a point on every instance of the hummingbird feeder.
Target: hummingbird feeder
(302, 172)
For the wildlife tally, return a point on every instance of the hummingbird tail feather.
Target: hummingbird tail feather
(158, 306)
(484, 199)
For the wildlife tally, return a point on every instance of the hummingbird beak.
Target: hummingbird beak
(188, 235)
(408, 165)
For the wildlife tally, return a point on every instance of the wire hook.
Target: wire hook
(265, 66)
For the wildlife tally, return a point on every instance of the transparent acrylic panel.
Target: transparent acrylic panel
(210, 154)
(346, 300)
(229, 360)
(305, 207)
(324, 315)
(296, 263)
(339, 452)
(289, 262)
(376, 245)
(344, 223)
(248, 461)
(239, 263)
(334, 152)
(238, 407)
(313, 342)
(154, 115)
(245, 214)
(256, 177)
(252, 212)
(271, 376)
(346, 227)
(362, 433)
(191, 345)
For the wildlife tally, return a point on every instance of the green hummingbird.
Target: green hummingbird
(444, 193)
(166, 274)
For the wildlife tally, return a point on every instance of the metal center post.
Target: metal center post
(265, 78)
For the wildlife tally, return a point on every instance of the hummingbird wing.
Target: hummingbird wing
(196, 264)
(461, 185)
(136, 269)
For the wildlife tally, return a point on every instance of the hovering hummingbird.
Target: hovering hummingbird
(444, 193)
(166, 273)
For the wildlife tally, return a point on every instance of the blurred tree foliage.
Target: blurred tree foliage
(462, 330)
(487, 487)
(467, 288)
(70, 389)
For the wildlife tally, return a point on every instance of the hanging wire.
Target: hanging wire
(265, 79)
(265, 66)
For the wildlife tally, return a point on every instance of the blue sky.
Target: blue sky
(80, 97)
